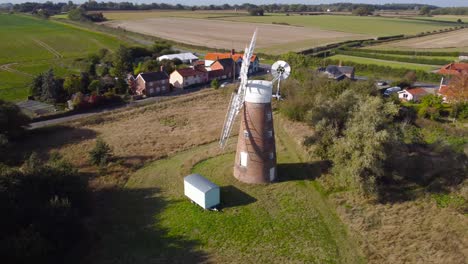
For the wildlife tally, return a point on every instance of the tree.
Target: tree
(215, 84)
(121, 62)
(72, 84)
(95, 86)
(431, 107)
(50, 89)
(12, 120)
(101, 153)
(362, 11)
(457, 90)
(425, 10)
(35, 88)
(358, 156)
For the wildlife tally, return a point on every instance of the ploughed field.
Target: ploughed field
(450, 41)
(226, 34)
(278, 33)
(30, 45)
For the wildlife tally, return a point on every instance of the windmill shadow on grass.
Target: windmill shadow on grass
(130, 230)
(231, 196)
(301, 171)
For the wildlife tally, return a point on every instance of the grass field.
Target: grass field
(287, 222)
(393, 64)
(30, 45)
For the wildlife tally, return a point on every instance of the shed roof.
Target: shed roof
(235, 56)
(200, 182)
(185, 72)
(180, 56)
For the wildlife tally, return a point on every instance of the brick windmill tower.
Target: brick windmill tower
(255, 160)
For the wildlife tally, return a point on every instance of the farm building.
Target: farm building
(151, 83)
(182, 78)
(186, 58)
(211, 58)
(454, 69)
(338, 73)
(201, 191)
(415, 94)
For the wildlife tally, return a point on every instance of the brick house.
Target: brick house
(222, 69)
(151, 83)
(182, 78)
(211, 58)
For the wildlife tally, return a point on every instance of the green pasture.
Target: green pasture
(285, 222)
(393, 64)
(447, 18)
(31, 45)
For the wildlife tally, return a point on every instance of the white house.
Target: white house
(201, 191)
(187, 58)
(415, 94)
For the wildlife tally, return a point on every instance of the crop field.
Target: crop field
(451, 41)
(370, 26)
(278, 33)
(205, 32)
(30, 45)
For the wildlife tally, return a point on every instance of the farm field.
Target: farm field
(30, 45)
(371, 26)
(205, 32)
(451, 41)
(393, 64)
(295, 33)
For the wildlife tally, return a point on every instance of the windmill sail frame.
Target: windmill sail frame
(237, 100)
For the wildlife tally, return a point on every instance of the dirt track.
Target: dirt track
(226, 34)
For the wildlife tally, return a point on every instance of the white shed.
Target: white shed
(201, 191)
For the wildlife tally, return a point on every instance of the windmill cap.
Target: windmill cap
(258, 91)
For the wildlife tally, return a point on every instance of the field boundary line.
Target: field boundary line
(49, 48)
(6, 67)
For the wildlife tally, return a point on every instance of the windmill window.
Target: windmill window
(271, 155)
(270, 133)
(246, 134)
(243, 159)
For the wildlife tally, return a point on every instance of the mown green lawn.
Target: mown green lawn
(285, 222)
(35, 45)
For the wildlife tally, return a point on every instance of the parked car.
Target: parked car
(391, 90)
(224, 84)
(382, 83)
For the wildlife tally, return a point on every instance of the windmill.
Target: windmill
(255, 160)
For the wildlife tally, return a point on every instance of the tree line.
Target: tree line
(94, 5)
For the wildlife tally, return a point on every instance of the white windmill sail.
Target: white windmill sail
(237, 100)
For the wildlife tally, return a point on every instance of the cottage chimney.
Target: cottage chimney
(233, 52)
(161, 68)
(340, 64)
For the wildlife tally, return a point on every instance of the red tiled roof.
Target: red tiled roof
(235, 57)
(189, 72)
(417, 91)
(454, 69)
(215, 73)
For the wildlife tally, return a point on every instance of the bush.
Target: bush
(100, 154)
(215, 84)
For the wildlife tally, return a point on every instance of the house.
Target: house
(210, 58)
(182, 78)
(415, 94)
(186, 58)
(222, 69)
(453, 69)
(151, 83)
(338, 72)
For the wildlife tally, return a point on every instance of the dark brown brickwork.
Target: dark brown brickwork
(257, 139)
